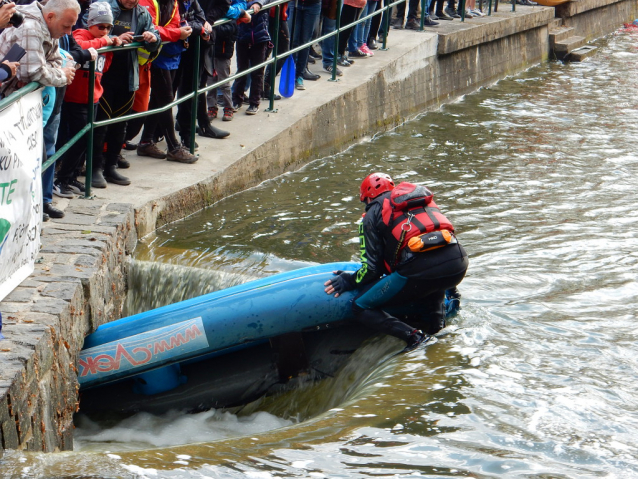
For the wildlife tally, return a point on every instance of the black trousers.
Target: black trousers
(348, 15)
(161, 95)
(74, 117)
(282, 47)
(116, 101)
(250, 54)
(404, 295)
(184, 86)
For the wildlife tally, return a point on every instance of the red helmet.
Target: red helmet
(375, 184)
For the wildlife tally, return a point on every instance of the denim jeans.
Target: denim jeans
(50, 135)
(328, 45)
(360, 33)
(301, 23)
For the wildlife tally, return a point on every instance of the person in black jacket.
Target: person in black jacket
(252, 47)
(392, 274)
(213, 11)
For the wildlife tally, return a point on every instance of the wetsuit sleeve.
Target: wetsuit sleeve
(371, 246)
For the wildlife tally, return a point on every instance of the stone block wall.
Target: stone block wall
(79, 282)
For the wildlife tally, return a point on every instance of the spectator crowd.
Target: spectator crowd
(59, 39)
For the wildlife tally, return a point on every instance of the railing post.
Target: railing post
(489, 8)
(89, 139)
(273, 65)
(335, 50)
(513, 5)
(423, 9)
(195, 99)
(386, 27)
(461, 6)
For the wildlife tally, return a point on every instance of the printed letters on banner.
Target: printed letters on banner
(20, 189)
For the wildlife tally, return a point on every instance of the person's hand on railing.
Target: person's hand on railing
(6, 11)
(185, 32)
(69, 72)
(13, 66)
(244, 17)
(206, 29)
(93, 53)
(150, 37)
(256, 7)
(114, 41)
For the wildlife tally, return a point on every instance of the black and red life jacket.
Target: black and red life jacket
(409, 211)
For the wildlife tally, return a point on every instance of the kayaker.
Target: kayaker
(409, 256)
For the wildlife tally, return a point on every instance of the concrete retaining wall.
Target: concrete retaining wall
(80, 281)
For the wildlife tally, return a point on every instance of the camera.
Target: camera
(16, 19)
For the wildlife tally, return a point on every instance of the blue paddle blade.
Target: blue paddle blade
(287, 78)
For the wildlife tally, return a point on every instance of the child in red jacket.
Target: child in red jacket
(75, 110)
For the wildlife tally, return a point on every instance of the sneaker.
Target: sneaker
(299, 84)
(396, 23)
(76, 187)
(62, 190)
(342, 61)
(477, 13)
(129, 145)
(228, 114)
(181, 155)
(185, 144)
(428, 22)
(451, 12)
(150, 149)
(364, 48)
(212, 112)
(358, 53)
(252, 110)
(468, 14)
(236, 106)
(412, 25)
(329, 69)
(415, 340)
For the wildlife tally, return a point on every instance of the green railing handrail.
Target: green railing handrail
(193, 96)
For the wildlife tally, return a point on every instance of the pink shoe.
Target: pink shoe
(364, 48)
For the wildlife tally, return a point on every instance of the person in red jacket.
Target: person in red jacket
(75, 111)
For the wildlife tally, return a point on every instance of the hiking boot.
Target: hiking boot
(62, 190)
(415, 340)
(228, 114)
(97, 179)
(299, 84)
(181, 155)
(112, 176)
(212, 112)
(150, 149)
(252, 110)
(329, 69)
(122, 162)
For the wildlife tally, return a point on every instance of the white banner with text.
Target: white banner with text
(20, 189)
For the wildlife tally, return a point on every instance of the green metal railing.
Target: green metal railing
(89, 129)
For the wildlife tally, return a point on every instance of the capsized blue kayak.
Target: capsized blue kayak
(250, 312)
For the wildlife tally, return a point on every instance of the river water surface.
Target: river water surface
(535, 378)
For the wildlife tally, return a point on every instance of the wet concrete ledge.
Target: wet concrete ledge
(80, 279)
